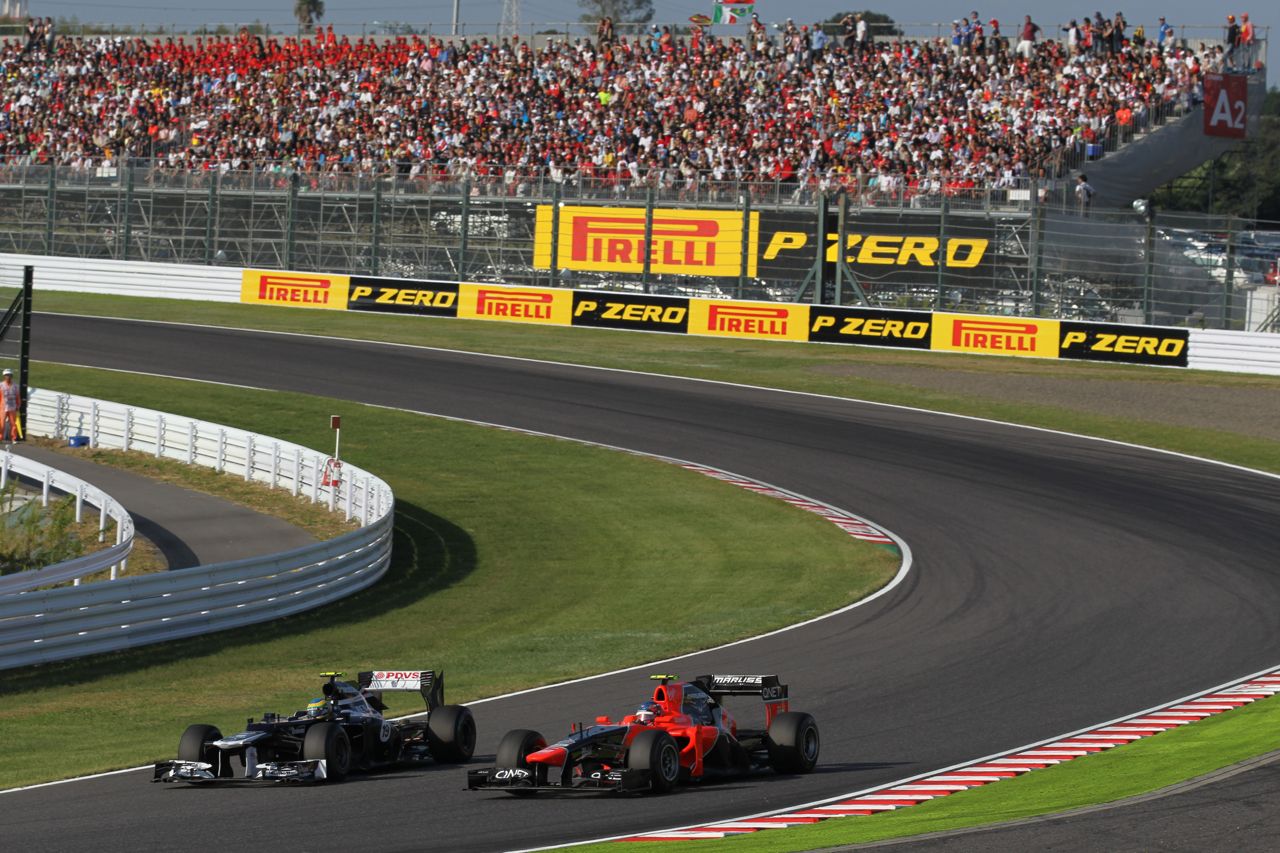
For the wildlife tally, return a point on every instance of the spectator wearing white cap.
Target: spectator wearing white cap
(10, 405)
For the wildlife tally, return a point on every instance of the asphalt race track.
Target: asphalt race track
(1058, 583)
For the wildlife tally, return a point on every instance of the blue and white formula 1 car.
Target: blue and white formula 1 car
(341, 731)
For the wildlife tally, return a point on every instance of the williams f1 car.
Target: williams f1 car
(683, 733)
(340, 731)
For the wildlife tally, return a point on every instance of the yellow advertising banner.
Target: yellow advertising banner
(1024, 336)
(299, 290)
(515, 304)
(760, 321)
(611, 239)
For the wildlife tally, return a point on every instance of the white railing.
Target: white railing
(48, 625)
(1235, 352)
(51, 479)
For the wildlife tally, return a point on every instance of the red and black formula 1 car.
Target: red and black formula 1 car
(681, 734)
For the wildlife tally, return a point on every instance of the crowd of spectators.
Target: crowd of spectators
(684, 111)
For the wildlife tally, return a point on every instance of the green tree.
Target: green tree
(622, 11)
(308, 12)
(878, 23)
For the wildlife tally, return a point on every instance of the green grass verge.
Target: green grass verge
(1139, 767)
(494, 532)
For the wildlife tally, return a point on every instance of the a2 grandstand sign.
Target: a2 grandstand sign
(1226, 105)
(776, 321)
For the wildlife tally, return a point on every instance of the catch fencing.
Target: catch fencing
(1022, 250)
(48, 625)
(50, 480)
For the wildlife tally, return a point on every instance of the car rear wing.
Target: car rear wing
(424, 681)
(767, 687)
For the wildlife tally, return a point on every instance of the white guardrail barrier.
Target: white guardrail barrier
(51, 479)
(48, 625)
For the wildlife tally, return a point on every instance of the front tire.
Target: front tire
(328, 742)
(656, 751)
(192, 748)
(451, 734)
(793, 742)
(514, 750)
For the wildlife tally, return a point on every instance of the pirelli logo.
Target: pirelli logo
(993, 336)
(749, 320)
(613, 239)
(299, 290)
(519, 305)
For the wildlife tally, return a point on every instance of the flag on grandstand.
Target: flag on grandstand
(729, 11)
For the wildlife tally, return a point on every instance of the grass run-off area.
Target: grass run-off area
(983, 387)
(492, 527)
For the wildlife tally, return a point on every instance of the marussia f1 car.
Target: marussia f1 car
(340, 731)
(682, 734)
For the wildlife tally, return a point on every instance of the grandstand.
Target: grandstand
(425, 156)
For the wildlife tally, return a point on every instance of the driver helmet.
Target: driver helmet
(315, 707)
(646, 712)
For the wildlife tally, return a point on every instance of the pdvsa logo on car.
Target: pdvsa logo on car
(754, 320)
(995, 335)
(393, 680)
(515, 304)
(1127, 344)
(299, 290)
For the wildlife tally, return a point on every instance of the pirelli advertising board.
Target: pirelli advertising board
(612, 239)
(762, 321)
(879, 248)
(402, 296)
(295, 290)
(1127, 344)
(987, 335)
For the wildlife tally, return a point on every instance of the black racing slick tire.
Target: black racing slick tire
(656, 751)
(192, 748)
(328, 742)
(513, 751)
(515, 747)
(451, 734)
(793, 742)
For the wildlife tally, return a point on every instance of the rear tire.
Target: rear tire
(328, 742)
(451, 734)
(192, 748)
(793, 743)
(656, 751)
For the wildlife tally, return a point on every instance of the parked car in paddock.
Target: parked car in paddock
(682, 733)
(340, 731)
